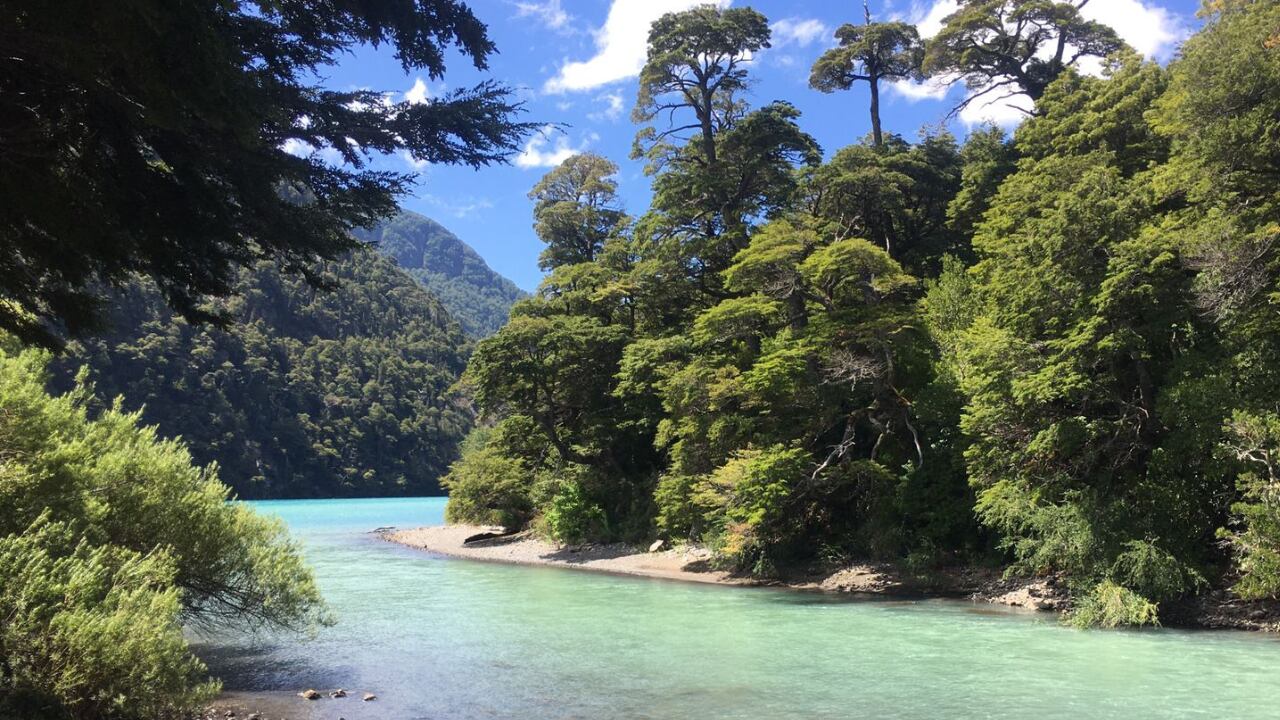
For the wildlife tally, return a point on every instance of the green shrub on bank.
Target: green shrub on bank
(1110, 605)
(487, 486)
(1255, 439)
(92, 631)
(110, 540)
(571, 517)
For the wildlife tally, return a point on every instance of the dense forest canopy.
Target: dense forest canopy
(476, 296)
(340, 393)
(1052, 351)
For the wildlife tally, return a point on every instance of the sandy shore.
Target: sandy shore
(685, 564)
(692, 564)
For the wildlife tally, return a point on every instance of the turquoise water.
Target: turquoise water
(441, 638)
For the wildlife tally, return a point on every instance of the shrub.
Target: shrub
(92, 631)
(571, 517)
(678, 514)
(1110, 605)
(488, 486)
(1153, 572)
(110, 540)
(745, 500)
(1255, 440)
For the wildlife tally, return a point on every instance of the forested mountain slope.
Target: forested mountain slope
(473, 293)
(308, 394)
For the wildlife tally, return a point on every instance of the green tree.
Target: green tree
(696, 62)
(1222, 123)
(153, 138)
(869, 53)
(896, 195)
(986, 159)
(1014, 46)
(1086, 408)
(576, 210)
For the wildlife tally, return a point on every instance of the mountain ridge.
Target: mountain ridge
(477, 296)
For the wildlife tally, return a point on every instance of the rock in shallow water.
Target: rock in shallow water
(309, 695)
(369, 696)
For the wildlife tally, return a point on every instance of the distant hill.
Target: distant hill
(308, 393)
(476, 296)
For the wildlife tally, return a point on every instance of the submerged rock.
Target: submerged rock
(339, 693)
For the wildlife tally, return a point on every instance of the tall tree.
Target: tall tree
(576, 210)
(697, 62)
(736, 166)
(869, 53)
(1014, 46)
(155, 137)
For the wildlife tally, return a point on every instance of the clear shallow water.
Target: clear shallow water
(442, 638)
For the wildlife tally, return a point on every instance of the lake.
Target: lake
(455, 640)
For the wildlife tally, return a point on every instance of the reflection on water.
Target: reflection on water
(440, 638)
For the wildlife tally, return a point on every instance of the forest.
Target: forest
(1053, 351)
(309, 393)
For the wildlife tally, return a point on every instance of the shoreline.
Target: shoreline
(693, 564)
(1217, 610)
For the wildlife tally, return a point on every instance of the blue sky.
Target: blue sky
(574, 61)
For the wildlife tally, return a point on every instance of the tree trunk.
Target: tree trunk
(877, 138)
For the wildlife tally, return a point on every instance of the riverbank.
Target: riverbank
(1217, 610)
(693, 564)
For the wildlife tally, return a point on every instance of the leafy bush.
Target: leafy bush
(92, 631)
(1110, 605)
(745, 500)
(1153, 572)
(678, 514)
(571, 517)
(488, 486)
(1255, 440)
(111, 540)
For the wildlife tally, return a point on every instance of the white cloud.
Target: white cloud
(613, 107)
(548, 12)
(621, 45)
(459, 207)
(304, 149)
(930, 89)
(930, 22)
(413, 162)
(797, 31)
(419, 93)
(549, 148)
(1151, 30)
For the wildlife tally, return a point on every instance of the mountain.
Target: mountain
(308, 393)
(473, 293)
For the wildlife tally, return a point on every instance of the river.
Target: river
(456, 640)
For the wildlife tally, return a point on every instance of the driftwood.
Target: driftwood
(484, 537)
